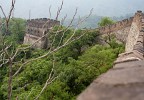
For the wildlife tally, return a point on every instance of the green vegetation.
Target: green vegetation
(105, 21)
(75, 66)
(16, 29)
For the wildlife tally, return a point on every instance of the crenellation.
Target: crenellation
(135, 37)
(126, 30)
(35, 29)
(139, 11)
(117, 26)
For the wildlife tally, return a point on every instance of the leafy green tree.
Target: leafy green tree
(73, 77)
(105, 21)
(109, 38)
(17, 29)
(78, 47)
(76, 65)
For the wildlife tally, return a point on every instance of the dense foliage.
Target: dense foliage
(16, 29)
(105, 21)
(75, 67)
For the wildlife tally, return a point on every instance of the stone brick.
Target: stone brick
(35, 29)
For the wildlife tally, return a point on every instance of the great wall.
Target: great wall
(36, 29)
(125, 81)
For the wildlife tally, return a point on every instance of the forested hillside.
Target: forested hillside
(72, 68)
(92, 21)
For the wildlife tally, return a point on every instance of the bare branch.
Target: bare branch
(50, 52)
(3, 12)
(9, 57)
(59, 47)
(50, 11)
(49, 80)
(11, 10)
(62, 21)
(59, 10)
(29, 94)
(7, 19)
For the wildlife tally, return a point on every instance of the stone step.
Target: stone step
(139, 49)
(138, 54)
(135, 55)
(140, 39)
(139, 44)
(142, 26)
(142, 20)
(141, 34)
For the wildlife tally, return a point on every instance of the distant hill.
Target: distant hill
(92, 21)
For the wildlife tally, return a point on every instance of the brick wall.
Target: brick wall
(36, 28)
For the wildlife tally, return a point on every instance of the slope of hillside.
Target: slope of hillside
(92, 21)
(72, 68)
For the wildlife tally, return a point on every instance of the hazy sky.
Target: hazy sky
(40, 8)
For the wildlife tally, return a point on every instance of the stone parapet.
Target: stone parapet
(134, 32)
(117, 26)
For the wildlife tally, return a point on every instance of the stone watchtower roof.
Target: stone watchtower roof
(36, 29)
(38, 26)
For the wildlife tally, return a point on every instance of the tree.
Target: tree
(17, 28)
(10, 52)
(109, 38)
(105, 21)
